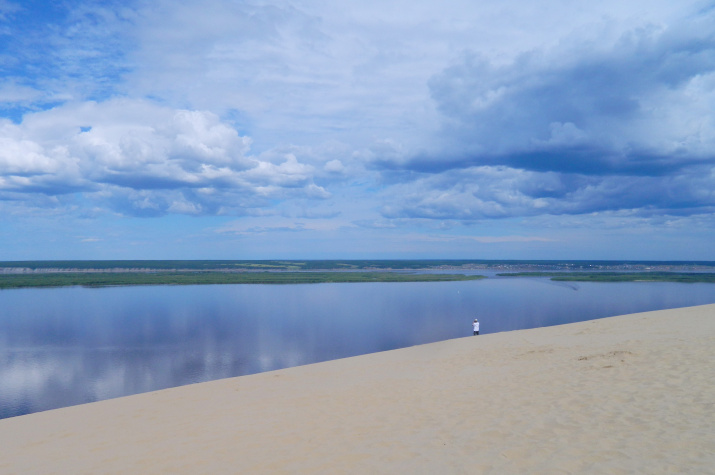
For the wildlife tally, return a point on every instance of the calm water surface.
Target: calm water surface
(66, 346)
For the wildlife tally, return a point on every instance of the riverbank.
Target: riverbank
(618, 395)
(123, 279)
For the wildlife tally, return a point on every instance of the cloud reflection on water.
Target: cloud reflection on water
(61, 347)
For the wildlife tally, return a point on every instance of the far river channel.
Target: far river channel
(65, 346)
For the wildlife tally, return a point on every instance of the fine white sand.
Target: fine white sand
(629, 394)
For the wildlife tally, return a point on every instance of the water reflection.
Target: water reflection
(60, 347)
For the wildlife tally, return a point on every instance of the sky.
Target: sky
(228, 129)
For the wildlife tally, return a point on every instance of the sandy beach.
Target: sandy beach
(627, 394)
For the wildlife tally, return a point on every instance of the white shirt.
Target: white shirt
(476, 326)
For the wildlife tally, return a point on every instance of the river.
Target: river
(67, 346)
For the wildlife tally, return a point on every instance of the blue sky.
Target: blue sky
(357, 129)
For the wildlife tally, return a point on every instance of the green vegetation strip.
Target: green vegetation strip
(620, 276)
(14, 281)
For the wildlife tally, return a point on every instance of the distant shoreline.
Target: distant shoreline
(115, 279)
(27, 274)
(52, 266)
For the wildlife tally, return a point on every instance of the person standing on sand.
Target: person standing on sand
(475, 324)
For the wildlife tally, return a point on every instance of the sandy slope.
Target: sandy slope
(630, 394)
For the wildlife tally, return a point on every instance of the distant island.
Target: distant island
(685, 277)
(102, 273)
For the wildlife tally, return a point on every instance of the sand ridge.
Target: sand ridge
(625, 394)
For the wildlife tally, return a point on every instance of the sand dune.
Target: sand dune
(629, 394)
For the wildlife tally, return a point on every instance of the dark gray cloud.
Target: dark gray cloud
(582, 128)
(584, 110)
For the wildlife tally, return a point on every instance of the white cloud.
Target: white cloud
(144, 158)
(13, 93)
(473, 194)
(7, 8)
(269, 224)
(488, 192)
(334, 166)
